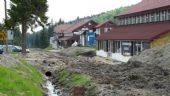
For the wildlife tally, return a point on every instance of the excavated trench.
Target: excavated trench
(51, 91)
(48, 74)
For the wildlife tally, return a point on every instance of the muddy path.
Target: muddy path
(132, 79)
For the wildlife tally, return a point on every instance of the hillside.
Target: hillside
(109, 15)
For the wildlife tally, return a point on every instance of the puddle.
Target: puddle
(51, 90)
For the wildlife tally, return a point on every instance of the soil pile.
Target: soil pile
(158, 56)
(76, 51)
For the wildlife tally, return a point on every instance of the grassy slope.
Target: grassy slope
(20, 80)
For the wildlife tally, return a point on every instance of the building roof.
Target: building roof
(146, 5)
(71, 27)
(62, 27)
(103, 23)
(65, 38)
(148, 31)
(75, 26)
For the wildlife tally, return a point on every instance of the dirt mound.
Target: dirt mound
(75, 51)
(159, 56)
(147, 74)
(133, 79)
(8, 60)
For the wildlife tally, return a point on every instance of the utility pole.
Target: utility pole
(6, 41)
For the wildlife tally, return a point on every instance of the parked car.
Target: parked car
(12, 48)
(17, 49)
(1, 49)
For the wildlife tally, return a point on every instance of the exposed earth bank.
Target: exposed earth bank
(145, 75)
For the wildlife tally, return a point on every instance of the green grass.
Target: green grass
(73, 79)
(79, 79)
(20, 80)
(36, 75)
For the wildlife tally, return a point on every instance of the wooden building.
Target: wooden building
(144, 25)
(67, 34)
(104, 27)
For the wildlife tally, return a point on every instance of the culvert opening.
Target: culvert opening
(48, 73)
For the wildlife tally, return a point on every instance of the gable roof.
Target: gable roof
(62, 27)
(148, 31)
(146, 5)
(65, 38)
(105, 22)
(72, 27)
(75, 26)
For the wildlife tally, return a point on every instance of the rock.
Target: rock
(78, 91)
(44, 61)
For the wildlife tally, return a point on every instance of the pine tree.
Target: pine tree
(43, 39)
(27, 13)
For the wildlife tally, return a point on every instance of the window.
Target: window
(123, 21)
(120, 21)
(152, 17)
(98, 31)
(131, 20)
(117, 47)
(106, 29)
(147, 17)
(157, 16)
(126, 21)
(162, 17)
(140, 19)
(169, 14)
(137, 21)
(144, 18)
(166, 14)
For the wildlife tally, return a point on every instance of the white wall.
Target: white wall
(114, 56)
(53, 42)
(68, 34)
(101, 53)
(120, 57)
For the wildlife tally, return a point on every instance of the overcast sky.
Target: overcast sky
(70, 9)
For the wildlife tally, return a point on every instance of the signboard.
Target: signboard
(91, 38)
(2, 35)
(10, 35)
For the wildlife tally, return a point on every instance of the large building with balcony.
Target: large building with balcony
(144, 25)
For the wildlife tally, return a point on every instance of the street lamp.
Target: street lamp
(5, 7)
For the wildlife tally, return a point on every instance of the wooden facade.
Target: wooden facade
(67, 34)
(143, 26)
(104, 27)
